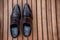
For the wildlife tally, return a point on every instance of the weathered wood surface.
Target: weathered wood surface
(45, 23)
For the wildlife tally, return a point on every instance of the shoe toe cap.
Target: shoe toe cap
(16, 8)
(27, 11)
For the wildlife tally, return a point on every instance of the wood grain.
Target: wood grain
(49, 20)
(1, 19)
(58, 17)
(10, 12)
(5, 20)
(45, 23)
(34, 19)
(44, 20)
(39, 19)
(54, 20)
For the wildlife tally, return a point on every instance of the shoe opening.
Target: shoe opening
(26, 24)
(13, 25)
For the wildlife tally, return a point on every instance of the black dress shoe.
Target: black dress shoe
(15, 20)
(26, 20)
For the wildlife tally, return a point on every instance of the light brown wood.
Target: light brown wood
(30, 3)
(49, 20)
(14, 2)
(44, 20)
(24, 2)
(45, 23)
(54, 20)
(34, 19)
(10, 12)
(39, 19)
(20, 3)
(5, 21)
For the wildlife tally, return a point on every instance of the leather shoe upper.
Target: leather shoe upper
(26, 20)
(15, 19)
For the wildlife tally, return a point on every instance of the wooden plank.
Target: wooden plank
(54, 20)
(44, 20)
(24, 2)
(49, 20)
(39, 18)
(34, 19)
(5, 20)
(1, 19)
(14, 3)
(58, 17)
(20, 3)
(30, 4)
(10, 11)
(20, 34)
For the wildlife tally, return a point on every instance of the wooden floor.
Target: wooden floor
(45, 23)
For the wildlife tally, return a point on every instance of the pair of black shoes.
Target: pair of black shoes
(26, 21)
